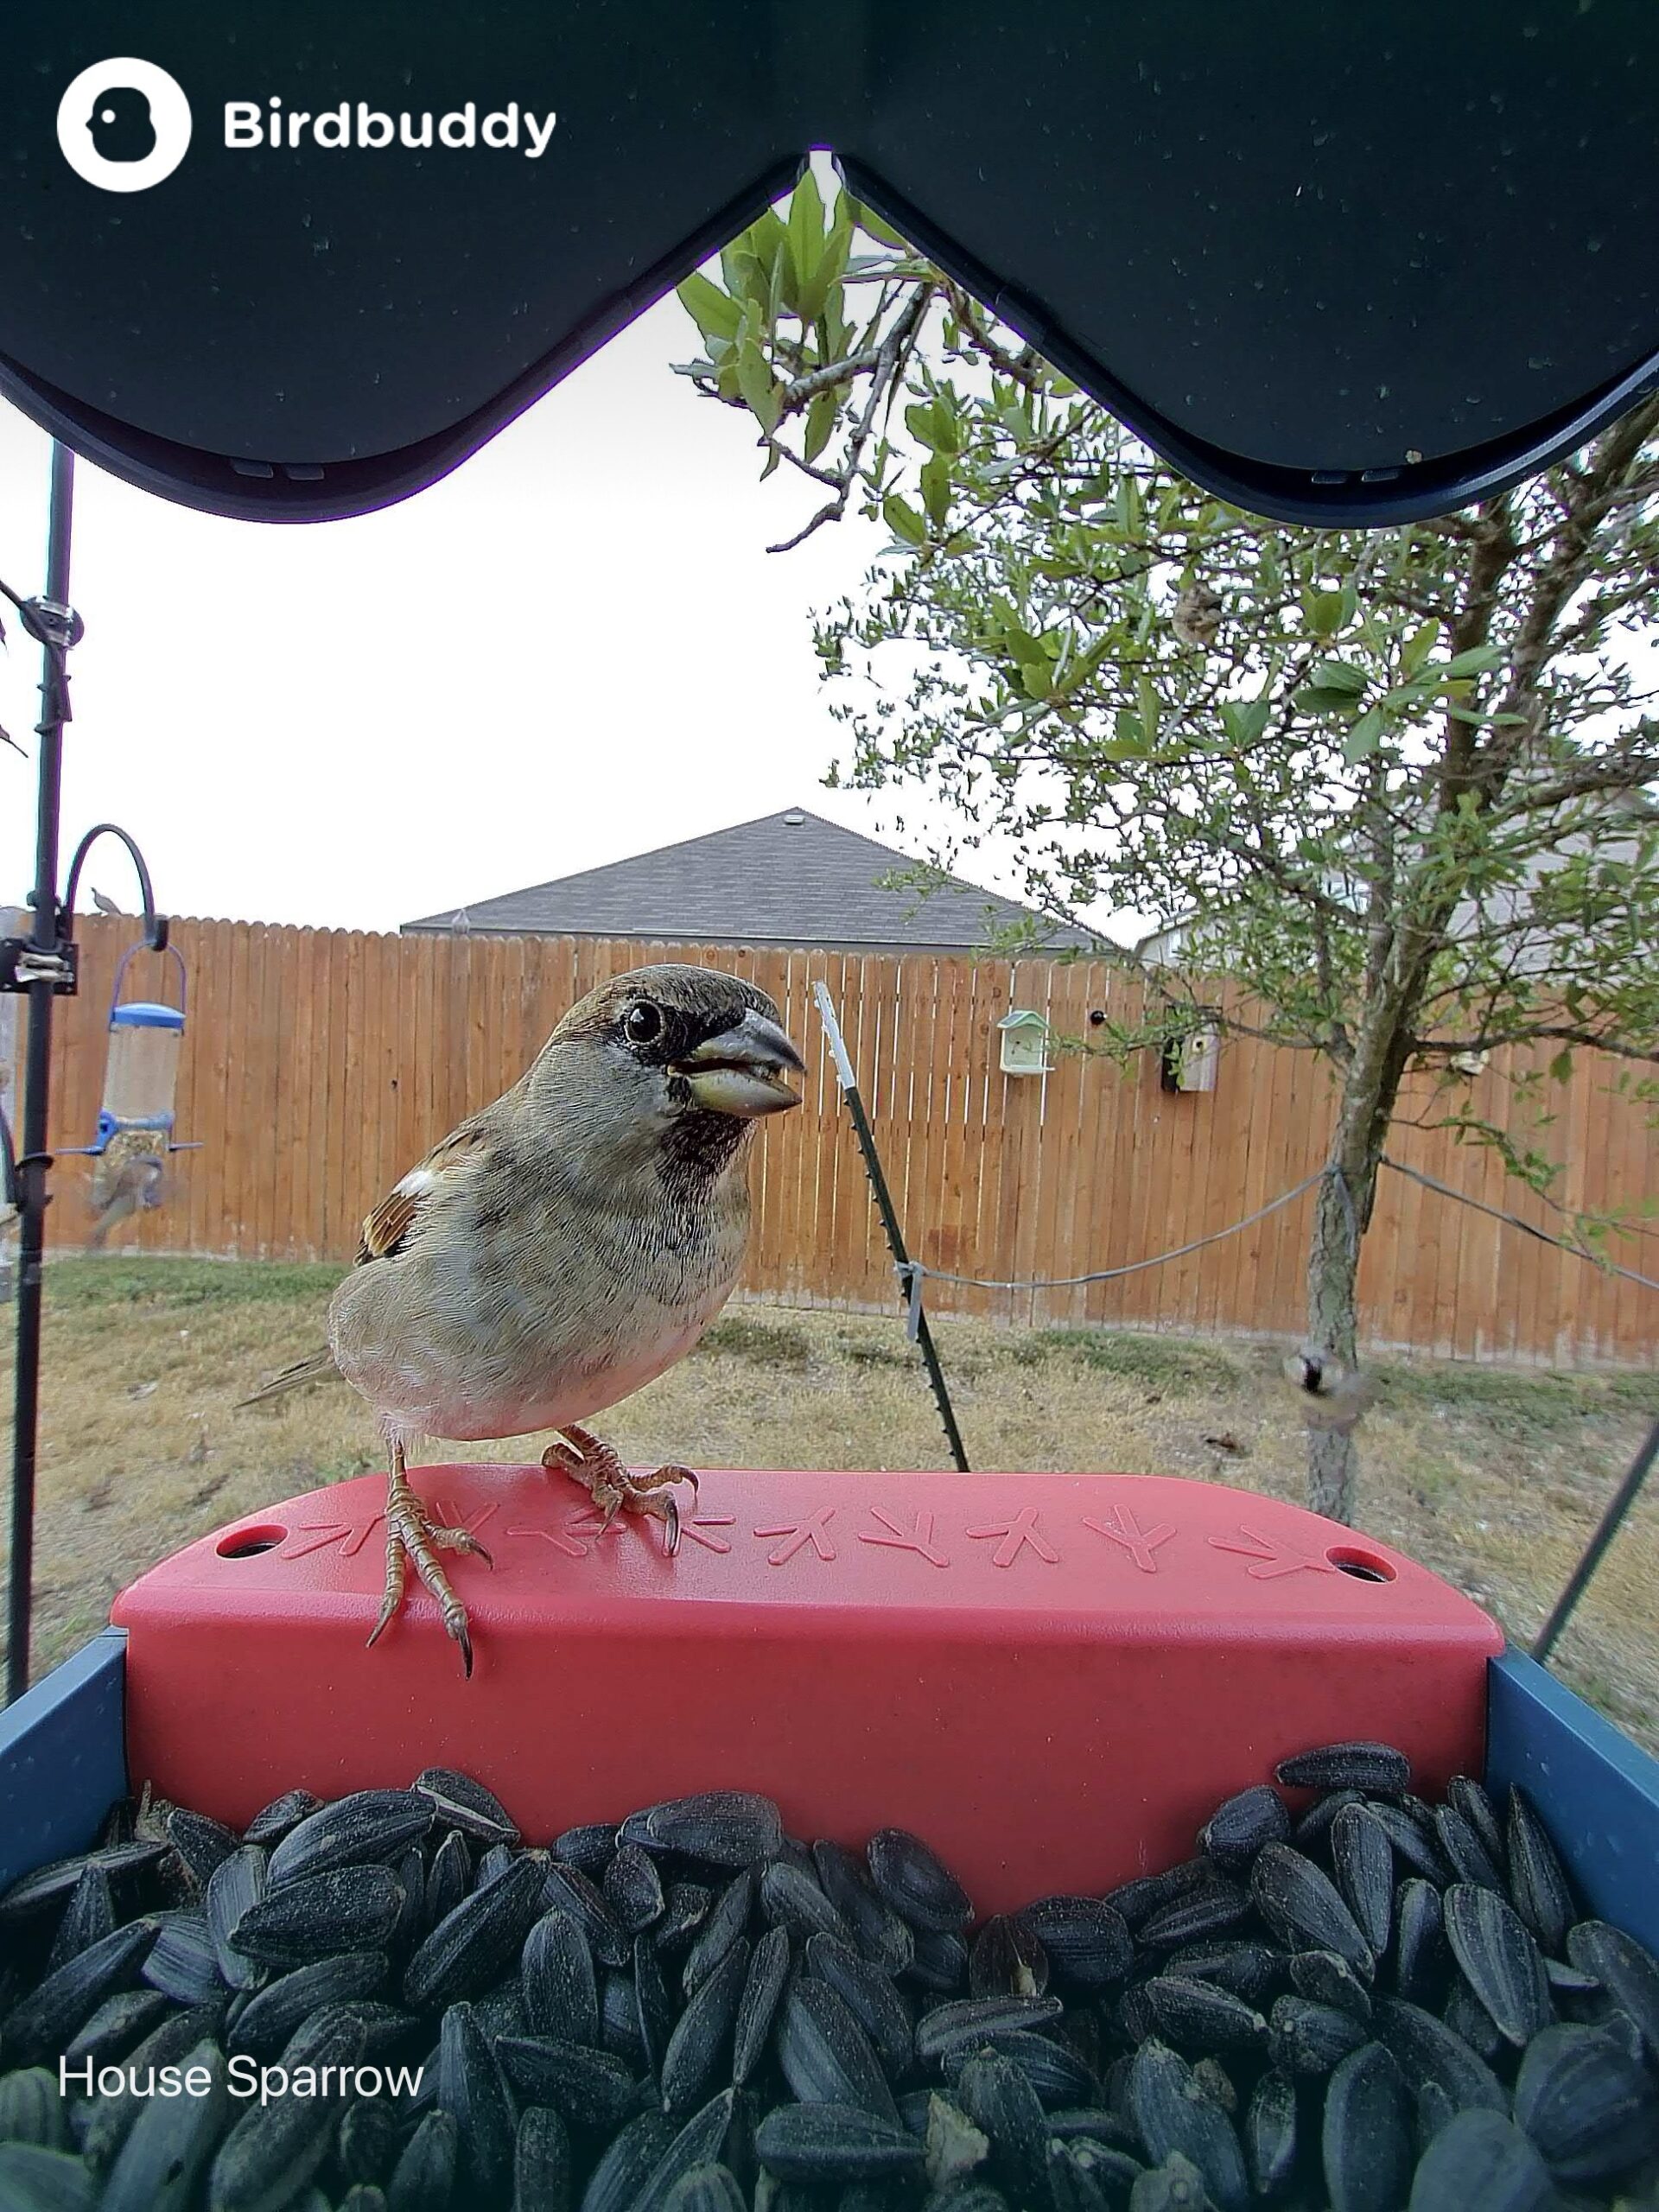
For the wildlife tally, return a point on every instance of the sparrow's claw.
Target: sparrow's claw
(614, 1488)
(411, 1535)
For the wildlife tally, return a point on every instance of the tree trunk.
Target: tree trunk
(1332, 1273)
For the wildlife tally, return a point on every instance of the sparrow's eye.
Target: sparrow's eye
(643, 1023)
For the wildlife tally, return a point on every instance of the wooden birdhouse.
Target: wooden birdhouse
(1025, 1043)
(1190, 1060)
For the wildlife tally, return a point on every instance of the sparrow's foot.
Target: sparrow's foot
(411, 1534)
(613, 1487)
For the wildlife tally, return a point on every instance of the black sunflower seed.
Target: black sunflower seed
(170, 2144)
(543, 2167)
(1239, 1827)
(88, 1917)
(653, 2007)
(560, 1990)
(1464, 1796)
(1367, 1766)
(274, 2147)
(1311, 1831)
(726, 1920)
(996, 2096)
(41, 2025)
(49, 1887)
(1085, 1941)
(1006, 1959)
(1464, 1851)
(1465, 2015)
(472, 1946)
(118, 2023)
(870, 1995)
(1421, 1958)
(1057, 2075)
(1479, 2163)
(1538, 1884)
(110, 2119)
(633, 1889)
(588, 2087)
(1329, 1980)
(917, 1884)
(182, 1963)
(1412, 1842)
(587, 1848)
(199, 1842)
(791, 1899)
(722, 1827)
(763, 1985)
(964, 2024)
(1589, 2109)
(702, 2034)
(471, 2085)
(619, 2031)
(32, 2109)
(1299, 1902)
(369, 2141)
(1270, 2131)
(352, 1908)
(1172, 2119)
(1428, 2051)
(1208, 1909)
(1197, 2017)
(369, 1827)
(448, 1880)
(461, 1803)
(1134, 1903)
(423, 2179)
(685, 1908)
(1361, 1861)
(821, 2142)
(627, 2163)
(939, 1962)
(1623, 1965)
(1248, 1969)
(703, 2137)
(1366, 2142)
(1500, 1961)
(569, 1890)
(825, 2055)
(412, 1923)
(273, 1821)
(706, 2188)
(878, 1931)
(1074, 2187)
(1309, 2038)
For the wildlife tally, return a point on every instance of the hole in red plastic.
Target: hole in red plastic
(245, 1543)
(1364, 1567)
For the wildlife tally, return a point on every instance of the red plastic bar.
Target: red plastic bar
(1050, 1677)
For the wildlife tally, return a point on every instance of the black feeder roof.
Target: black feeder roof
(1340, 262)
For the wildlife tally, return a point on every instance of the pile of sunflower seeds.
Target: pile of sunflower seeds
(389, 2004)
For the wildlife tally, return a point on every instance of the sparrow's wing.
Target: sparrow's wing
(448, 1164)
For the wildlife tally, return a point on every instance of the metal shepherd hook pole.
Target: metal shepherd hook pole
(43, 980)
(910, 1287)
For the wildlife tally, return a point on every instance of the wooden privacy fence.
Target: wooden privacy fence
(319, 1064)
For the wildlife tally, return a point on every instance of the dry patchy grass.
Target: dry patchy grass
(1493, 1477)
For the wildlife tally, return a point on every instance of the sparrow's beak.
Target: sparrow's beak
(741, 1071)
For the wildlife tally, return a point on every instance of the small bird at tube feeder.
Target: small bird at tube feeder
(135, 1122)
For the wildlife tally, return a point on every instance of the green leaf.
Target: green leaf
(1147, 700)
(754, 380)
(1363, 738)
(936, 490)
(803, 248)
(903, 520)
(716, 312)
(1475, 661)
(1560, 1067)
(1245, 721)
(1340, 676)
(1418, 647)
(1324, 612)
(1038, 677)
(1319, 699)
(873, 226)
(820, 421)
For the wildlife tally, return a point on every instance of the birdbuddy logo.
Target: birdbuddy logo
(126, 125)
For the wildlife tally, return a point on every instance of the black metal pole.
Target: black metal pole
(1618, 1505)
(37, 1075)
(890, 1223)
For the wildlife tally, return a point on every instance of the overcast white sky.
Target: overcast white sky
(574, 648)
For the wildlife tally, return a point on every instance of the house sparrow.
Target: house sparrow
(562, 1249)
(1196, 617)
(1333, 1396)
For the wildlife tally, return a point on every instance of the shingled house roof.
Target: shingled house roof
(789, 878)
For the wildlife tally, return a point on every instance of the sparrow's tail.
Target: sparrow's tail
(320, 1367)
